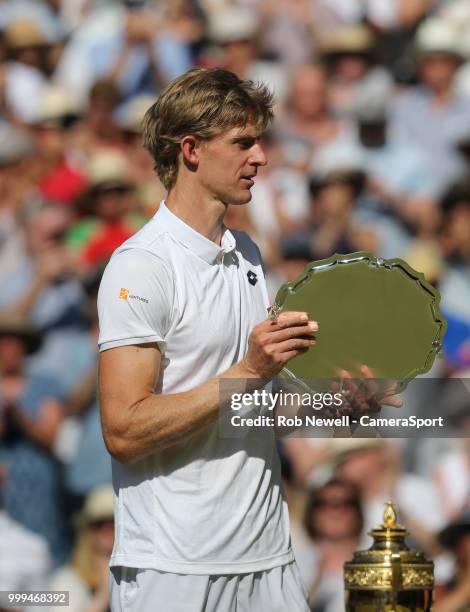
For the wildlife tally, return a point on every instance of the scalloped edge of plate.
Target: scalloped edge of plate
(374, 261)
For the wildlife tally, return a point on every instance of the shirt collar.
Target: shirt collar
(193, 240)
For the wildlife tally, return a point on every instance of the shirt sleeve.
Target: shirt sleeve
(134, 300)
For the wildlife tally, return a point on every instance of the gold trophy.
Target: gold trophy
(388, 576)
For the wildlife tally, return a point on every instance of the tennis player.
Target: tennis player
(201, 521)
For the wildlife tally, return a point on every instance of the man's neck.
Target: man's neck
(198, 210)
(443, 97)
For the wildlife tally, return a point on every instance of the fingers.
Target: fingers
(273, 343)
(294, 344)
(349, 387)
(385, 396)
(290, 317)
(291, 331)
(307, 330)
(370, 390)
(291, 334)
(393, 400)
(371, 385)
(366, 394)
(287, 356)
(366, 371)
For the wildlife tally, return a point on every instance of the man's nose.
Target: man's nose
(258, 156)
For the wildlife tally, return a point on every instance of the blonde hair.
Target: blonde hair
(203, 102)
(82, 558)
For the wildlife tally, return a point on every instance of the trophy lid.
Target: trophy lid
(389, 564)
(390, 531)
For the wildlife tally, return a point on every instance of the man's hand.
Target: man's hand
(137, 421)
(365, 395)
(140, 27)
(273, 343)
(42, 429)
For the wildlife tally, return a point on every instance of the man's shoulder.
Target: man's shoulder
(146, 250)
(141, 262)
(151, 238)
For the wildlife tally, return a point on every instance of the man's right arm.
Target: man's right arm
(137, 421)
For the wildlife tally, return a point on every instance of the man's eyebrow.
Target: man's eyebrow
(246, 138)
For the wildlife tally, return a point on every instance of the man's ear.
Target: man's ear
(190, 150)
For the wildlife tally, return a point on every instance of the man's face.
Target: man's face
(358, 466)
(229, 163)
(310, 92)
(437, 71)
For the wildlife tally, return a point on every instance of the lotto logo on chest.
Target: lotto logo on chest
(252, 277)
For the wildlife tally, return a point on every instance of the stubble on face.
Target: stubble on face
(229, 164)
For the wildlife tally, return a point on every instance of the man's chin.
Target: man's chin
(241, 199)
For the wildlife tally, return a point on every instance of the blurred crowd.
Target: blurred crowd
(369, 151)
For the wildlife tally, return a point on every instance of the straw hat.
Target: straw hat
(129, 115)
(24, 33)
(425, 256)
(108, 168)
(231, 24)
(340, 449)
(55, 104)
(99, 505)
(357, 39)
(436, 36)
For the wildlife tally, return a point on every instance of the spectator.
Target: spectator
(26, 69)
(98, 128)
(332, 228)
(433, 102)
(295, 254)
(287, 31)
(373, 465)
(86, 576)
(349, 53)
(334, 522)
(128, 117)
(308, 122)
(24, 556)
(452, 473)
(43, 287)
(455, 243)
(234, 30)
(383, 16)
(456, 538)
(31, 412)
(16, 184)
(127, 44)
(399, 172)
(88, 461)
(59, 177)
(109, 205)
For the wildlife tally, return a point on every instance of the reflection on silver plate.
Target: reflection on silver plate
(371, 311)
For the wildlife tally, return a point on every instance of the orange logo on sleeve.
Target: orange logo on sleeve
(123, 293)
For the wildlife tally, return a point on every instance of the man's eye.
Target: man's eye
(245, 144)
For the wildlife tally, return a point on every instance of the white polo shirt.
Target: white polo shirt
(209, 505)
